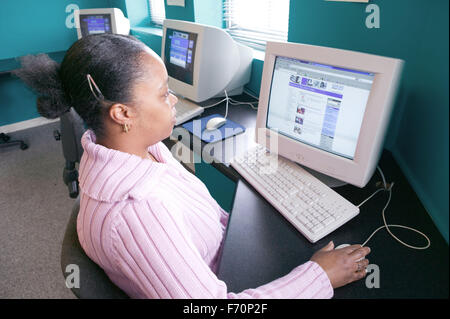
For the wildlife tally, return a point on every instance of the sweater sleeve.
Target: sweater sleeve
(155, 253)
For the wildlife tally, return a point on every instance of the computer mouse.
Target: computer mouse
(342, 246)
(215, 123)
(346, 245)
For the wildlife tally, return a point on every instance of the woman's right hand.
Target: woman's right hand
(341, 265)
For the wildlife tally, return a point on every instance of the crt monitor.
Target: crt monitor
(327, 108)
(203, 61)
(96, 21)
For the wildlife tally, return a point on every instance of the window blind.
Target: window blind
(157, 12)
(254, 22)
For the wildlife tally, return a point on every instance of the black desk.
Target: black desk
(261, 245)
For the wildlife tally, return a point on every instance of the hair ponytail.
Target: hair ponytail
(113, 60)
(40, 73)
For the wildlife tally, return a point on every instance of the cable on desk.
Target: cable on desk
(251, 95)
(231, 101)
(228, 100)
(217, 103)
(384, 218)
(234, 102)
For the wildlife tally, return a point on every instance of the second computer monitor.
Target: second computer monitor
(203, 61)
(98, 21)
(328, 109)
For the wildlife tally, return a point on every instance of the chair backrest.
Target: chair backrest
(93, 282)
(72, 129)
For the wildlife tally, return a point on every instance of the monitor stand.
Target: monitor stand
(327, 180)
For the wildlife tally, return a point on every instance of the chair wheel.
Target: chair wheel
(4, 137)
(57, 135)
(23, 146)
(73, 189)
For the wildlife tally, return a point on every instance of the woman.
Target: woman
(150, 224)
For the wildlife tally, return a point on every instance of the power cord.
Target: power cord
(231, 101)
(389, 189)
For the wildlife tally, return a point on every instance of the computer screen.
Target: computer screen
(95, 24)
(180, 54)
(318, 104)
(327, 109)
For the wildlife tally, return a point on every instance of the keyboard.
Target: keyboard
(308, 204)
(186, 110)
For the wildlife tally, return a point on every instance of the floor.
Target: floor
(34, 209)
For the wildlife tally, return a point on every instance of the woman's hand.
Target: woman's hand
(342, 265)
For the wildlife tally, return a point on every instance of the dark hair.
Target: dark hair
(112, 60)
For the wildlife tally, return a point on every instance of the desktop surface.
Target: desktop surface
(261, 245)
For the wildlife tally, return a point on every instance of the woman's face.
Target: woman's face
(155, 105)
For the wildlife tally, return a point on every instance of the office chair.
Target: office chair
(72, 129)
(5, 142)
(93, 283)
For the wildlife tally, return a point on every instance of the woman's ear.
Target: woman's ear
(121, 113)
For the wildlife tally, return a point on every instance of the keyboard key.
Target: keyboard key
(317, 228)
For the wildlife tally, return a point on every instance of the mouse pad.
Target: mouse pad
(197, 127)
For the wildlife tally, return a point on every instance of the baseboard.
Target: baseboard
(38, 121)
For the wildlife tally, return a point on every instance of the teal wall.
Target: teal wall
(31, 27)
(17, 101)
(137, 12)
(186, 13)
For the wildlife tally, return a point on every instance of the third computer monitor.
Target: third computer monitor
(328, 109)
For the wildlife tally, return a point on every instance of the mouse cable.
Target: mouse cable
(227, 99)
(384, 218)
(231, 101)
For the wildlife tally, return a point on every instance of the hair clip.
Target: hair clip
(92, 82)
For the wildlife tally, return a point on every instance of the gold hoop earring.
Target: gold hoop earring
(125, 128)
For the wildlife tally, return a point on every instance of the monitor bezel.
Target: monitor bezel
(356, 171)
(111, 11)
(220, 57)
(183, 88)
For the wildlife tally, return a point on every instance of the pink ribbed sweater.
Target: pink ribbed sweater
(157, 232)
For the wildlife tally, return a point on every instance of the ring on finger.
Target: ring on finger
(360, 266)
